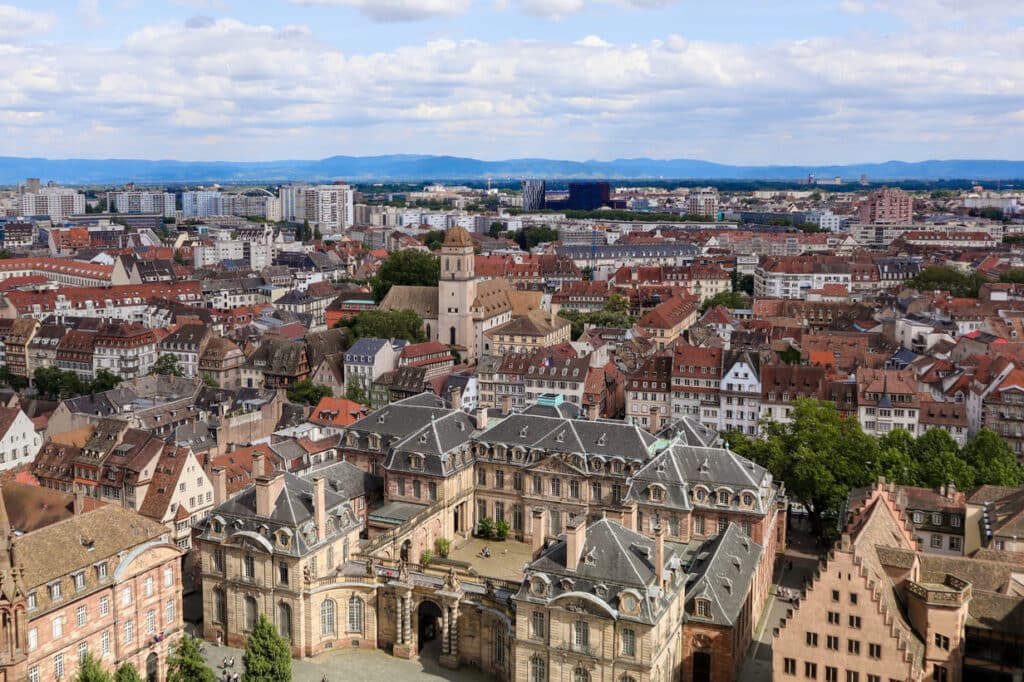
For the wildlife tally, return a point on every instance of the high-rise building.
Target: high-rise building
(135, 201)
(56, 202)
(702, 201)
(331, 207)
(887, 205)
(201, 204)
(533, 195)
(587, 196)
(293, 202)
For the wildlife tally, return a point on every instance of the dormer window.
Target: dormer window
(723, 497)
(937, 519)
(702, 608)
(748, 500)
(416, 462)
(656, 494)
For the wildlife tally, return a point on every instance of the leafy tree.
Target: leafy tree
(15, 381)
(317, 234)
(587, 273)
(267, 655)
(433, 240)
(57, 384)
(747, 285)
(485, 528)
(1014, 276)
(496, 229)
(730, 299)
(993, 461)
(501, 530)
(354, 391)
(186, 664)
(408, 268)
(790, 356)
(615, 313)
(127, 673)
(103, 380)
(529, 237)
(578, 320)
(385, 324)
(92, 670)
(166, 365)
(941, 278)
(307, 392)
(4, 254)
(179, 257)
(210, 381)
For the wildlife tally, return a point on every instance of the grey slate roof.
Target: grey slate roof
(346, 479)
(722, 573)
(440, 446)
(604, 438)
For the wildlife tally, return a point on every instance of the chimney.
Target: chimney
(456, 397)
(506, 405)
(258, 468)
(268, 488)
(629, 514)
(951, 491)
(320, 507)
(575, 536)
(79, 502)
(659, 555)
(593, 411)
(655, 419)
(481, 418)
(540, 529)
(219, 479)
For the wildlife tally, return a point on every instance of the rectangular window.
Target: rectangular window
(537, 485)
(31, 601)
(852, 676)
(556, 487)
(129, 632)
(126, 596)
(574, 489)
(936, 541)
(168, 576)
(853, 598)
(581, 635)
(955, 543)
(810, 670)
(58, 666)
(832, 642)
(169, 611)
(875, 650)
(80, 616)
(874, 678)
(147, 586)
(105, 643)
(101, 571)
(83, 649)
(499, 479)
(33, 674)
(57, 627)
(831, 674)
(789, 666)
(942, 642)
(855, 622)
(401, 487)
(853, 646)
(417, 489)
(940, 673)
(812, 639)
(79, 581)
(835, 595)
(481, 476)
(150, 622)
(698, 525)
(104, 605)
(537, 625)
(628, 642)
(33, 639)
(54, 591)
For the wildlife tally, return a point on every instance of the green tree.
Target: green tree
(384, 324)
(747, 285)
(167, 365)
(179, 257)
(4, 254)
(407, 268)
(15, 381)
(942, 278)
(267, 655)
(993, 461)
(354, 391)
(317, 234)
(186, 663)
(308, 393)
(210, 381)
(730, 299)
(433, 240)
(57, 384)
(790, 356)
(127, 673)
(496, 229)
(529, 237)
(91, 670)
(1013, 276)
(103, 380)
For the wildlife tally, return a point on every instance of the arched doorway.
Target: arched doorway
(428, 626)
(152, 668)
(701, 666)
(405, 551)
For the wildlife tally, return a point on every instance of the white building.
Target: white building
(134, 201)
(201, 204)
(331, 207)
(257, 256)
(368, 359)
(702, 201)
(293, 202)
(56, 202)
(740, 393)
(19, 441)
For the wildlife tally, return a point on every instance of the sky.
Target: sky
(743, 81)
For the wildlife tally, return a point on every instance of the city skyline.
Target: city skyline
(839, 82)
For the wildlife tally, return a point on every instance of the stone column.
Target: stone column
(450, 635)
(445, 644)
(407, 617)
(453, 632)
(403, 626)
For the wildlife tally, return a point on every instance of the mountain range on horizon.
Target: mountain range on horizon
(428, 167)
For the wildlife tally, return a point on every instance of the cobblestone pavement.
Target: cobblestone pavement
(355, 665)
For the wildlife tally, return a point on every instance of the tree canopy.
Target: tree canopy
(308, 393)
(409, 268)
(615, 313)
(529, 237)
(942, 278)
(186, 663)
(384, 324)
(167, 365)
(91, 670)
(355, 392)
(730, 299)
(267, 655)
(127, 673)
(433, 240)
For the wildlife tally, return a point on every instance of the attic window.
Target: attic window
(603, 439)
(702, 608)
(560, 437)
(522, 431)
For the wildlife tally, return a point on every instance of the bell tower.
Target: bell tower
(457, 292)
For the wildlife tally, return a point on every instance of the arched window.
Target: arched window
(251, 613)
(538, 670)
(284, 620)
(355, 614)
(327, 623)
(580, 674)
(220, 606)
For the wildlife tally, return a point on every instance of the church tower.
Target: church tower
(457, 292)
(13, 614)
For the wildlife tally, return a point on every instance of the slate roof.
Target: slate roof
(435, 446)
(721, 573)
(602, 437)
(346, 479)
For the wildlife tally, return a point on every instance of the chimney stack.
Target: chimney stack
(506, 405)
(456, 397)
(540, 529)
(593, 411)
(575, 537)
(481, 418)
(659, 556)
(320, 508)
(655, 419)
(629, 514)
(79, 502)
(219, 479)
(268, 489)
(258, 468)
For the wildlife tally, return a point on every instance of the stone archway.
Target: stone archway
(152, 668)
(428, 628)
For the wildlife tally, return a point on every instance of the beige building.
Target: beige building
(527, 333)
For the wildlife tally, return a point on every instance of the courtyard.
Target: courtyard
(505, 562)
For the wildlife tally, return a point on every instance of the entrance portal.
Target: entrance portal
(701, 666)
(152, 668)
(428, 620)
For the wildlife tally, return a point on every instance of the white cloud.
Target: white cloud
(16, 22)
(398, 10)
(88, 12)
(226, 88)
(559, 9)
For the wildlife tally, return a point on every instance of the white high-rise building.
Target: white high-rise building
(201, 204)
(331, 207)
(55, 202)
(293, 202)
(702, 201)
(134, 201)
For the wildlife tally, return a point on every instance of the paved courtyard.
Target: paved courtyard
(506, 561)
(356, 665)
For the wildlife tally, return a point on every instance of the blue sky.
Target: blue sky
(747, 81)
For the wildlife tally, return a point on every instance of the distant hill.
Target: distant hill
(420, 167)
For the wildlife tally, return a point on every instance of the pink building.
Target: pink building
(887, 206)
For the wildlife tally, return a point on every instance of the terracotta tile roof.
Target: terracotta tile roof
(337, 412)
